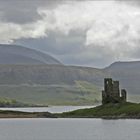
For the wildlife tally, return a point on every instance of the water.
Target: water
(69, 129)
(52, 109)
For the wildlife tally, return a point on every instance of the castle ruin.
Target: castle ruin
(111, 92)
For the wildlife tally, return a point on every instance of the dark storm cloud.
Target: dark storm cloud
(24, 11)
(85, 33)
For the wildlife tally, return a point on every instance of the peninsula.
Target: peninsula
(114, 106)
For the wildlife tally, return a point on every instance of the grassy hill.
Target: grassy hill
(48, 74)
(108, 111)
(65, 85)
(83, 93)
(51, 84)
(6, 102)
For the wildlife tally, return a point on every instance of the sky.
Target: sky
(76, 32)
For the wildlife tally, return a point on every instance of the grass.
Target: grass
(19, 114)
(108, 111)
(122, 110)
(82, 93)
(5, 102)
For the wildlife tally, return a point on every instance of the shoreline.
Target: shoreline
(49, 116)
(125, 110)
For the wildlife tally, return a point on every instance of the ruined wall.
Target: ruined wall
(111, 92)
(123, 94)
(116, 90)
(108, 86)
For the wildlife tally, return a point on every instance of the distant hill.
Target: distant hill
(59, 84)
(51, 84)
(117, 66)
(49, 74)
(14, 54)
(128, 73)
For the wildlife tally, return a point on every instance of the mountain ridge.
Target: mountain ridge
(16, 54)
(58, 84)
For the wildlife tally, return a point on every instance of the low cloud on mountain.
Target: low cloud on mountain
(91, 33)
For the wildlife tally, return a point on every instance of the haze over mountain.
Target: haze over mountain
(14, 54)
(74, 33)
(59, 84)
(34, 77)
(128, 73)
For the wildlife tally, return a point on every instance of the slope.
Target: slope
(14, 54)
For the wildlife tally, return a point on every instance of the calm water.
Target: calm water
(52, 109)
(69, 129)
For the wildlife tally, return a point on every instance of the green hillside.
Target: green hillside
(108, 111)
(82, 93)
(65, 85)
(51, 84)
(6, 102)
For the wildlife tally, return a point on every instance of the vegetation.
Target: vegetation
(5, 102)
(82, 93)
(65, 85)
(19, 114)
(108, 111)
(50, 84)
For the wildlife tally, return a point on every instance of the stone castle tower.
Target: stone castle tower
(111, 92)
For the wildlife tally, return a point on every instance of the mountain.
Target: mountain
(14, 54)
(48, 74)
(58, 84)
(120, 66)
(128, 73)
(51, 84)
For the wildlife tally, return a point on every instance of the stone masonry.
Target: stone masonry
(111, 92)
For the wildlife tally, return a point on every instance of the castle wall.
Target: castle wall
(111, 92)
(116, 90)
(108, 86)
(123, 94)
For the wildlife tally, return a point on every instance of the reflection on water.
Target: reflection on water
(69, 129)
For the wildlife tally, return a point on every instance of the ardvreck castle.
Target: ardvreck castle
(111, 92)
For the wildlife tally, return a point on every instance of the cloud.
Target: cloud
(102, 21)
(83, 31)
(11, 31)
(18, 11)
(105, 23)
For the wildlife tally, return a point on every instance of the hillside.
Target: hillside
(128, 73)
(31, 76)
(48, 74)
(65, 85)
(14, 54)
(125, 110)
(50, 84)
(108, 111)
